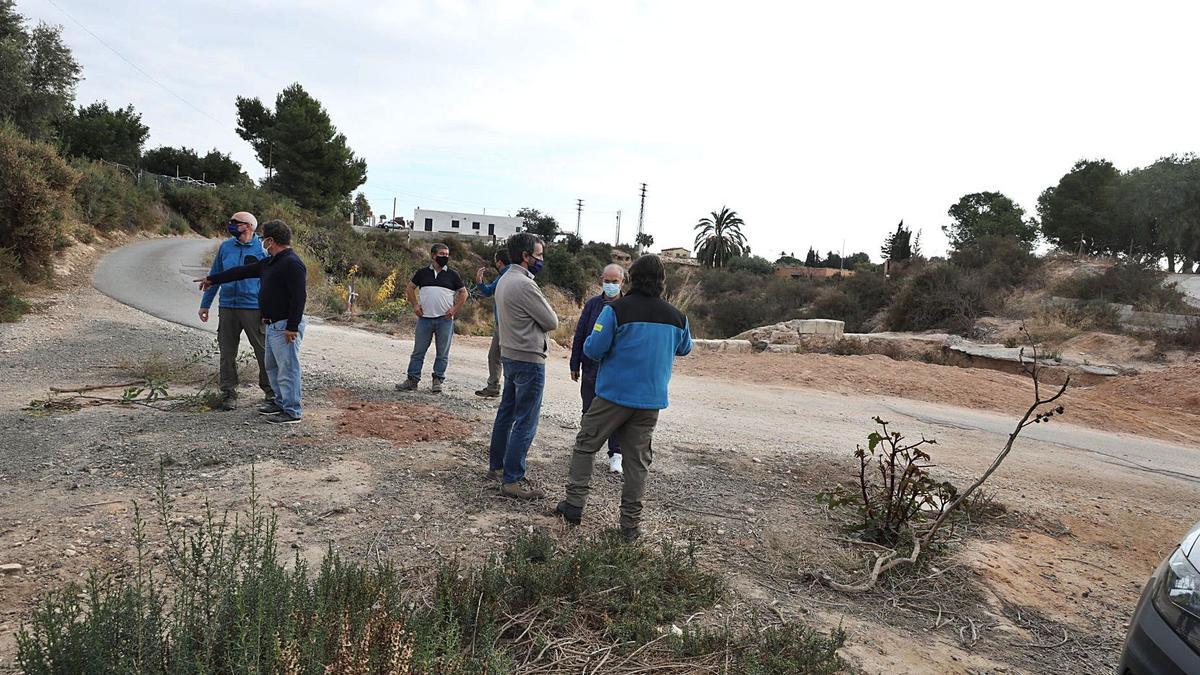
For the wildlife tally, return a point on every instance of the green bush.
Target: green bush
(750, 263)
(1003, 263)
(110, 199)
(12, 307)
(939, 296)
(1126, 283)
(563, 270)
(35, 201)
(202, 208)
(228, 605)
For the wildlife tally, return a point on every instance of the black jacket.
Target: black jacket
(283, 291)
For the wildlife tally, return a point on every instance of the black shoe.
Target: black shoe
(488, 392)
(269, 408)
(282, 418)
(630, 534)
(228, 402)
(572, 514)
(436, 386)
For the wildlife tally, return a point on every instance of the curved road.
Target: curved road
(155, 277)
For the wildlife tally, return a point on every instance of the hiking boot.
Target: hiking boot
(614, 464)
(269, 408)
(630, 534)
(408, 385)
(495, 474)
(488, 392)
(436, 386)
(228, 401)
(521, 489)
(572, 514)
(282, 418)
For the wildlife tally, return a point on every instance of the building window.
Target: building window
(474, 226)
(454, 223)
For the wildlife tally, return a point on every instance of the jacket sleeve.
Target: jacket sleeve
(685, 341)
(581, 332)
(540, 310)
(297, 286)
(251, 271)
(598, 344)
(210, 293)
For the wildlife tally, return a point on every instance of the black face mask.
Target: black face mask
(442, 260)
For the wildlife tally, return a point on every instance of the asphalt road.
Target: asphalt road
(155, 277)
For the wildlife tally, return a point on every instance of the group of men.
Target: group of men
(622, 354)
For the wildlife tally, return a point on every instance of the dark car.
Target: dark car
(1164, 635)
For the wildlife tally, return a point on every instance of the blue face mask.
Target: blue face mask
(612, 290)
(232, 227)
(536, 266)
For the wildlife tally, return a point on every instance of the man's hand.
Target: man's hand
(574, 375)
(417, 309)
(479, 275)
(204, 283)
(290, 335)
(204, 314)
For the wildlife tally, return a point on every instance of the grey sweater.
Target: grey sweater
(523, 317)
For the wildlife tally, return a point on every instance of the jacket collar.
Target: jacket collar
(254, 241)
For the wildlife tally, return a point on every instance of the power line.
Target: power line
(135, 66)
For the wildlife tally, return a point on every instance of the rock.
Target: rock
(70, 553)
(416, 516)
(11, 568)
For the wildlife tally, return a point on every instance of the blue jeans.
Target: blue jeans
(517, 417)
(282, 362)
(438, 330)
(587, 390)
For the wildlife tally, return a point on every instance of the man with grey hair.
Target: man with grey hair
(583, 369)
(436, 293)
(238, 310)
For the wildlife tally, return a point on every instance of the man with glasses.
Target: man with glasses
(238, 310)
(281, 296)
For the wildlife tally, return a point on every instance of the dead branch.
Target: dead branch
(94, 387)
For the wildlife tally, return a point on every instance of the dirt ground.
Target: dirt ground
(1045, 583)
(1163, 404)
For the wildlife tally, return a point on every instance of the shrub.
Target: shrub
(563, 270)
(35, 201)
(110, 199)
(1127, 283)
(1003, 263)
(12, 307)
(1185, 338)
(855, 300)
(750, 263)
(229, 605)
(202, 208)
(939, 296)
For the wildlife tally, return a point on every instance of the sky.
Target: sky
(821, 124)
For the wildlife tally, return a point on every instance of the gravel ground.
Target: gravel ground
(736, 467)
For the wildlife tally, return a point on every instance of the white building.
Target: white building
(465, 224)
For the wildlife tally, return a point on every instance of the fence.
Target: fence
(160, 180)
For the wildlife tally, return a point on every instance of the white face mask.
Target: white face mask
(611, 289)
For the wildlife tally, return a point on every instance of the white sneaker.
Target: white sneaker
(614, 464)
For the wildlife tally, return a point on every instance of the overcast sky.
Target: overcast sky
(817, 123)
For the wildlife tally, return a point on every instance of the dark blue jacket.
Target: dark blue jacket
(233, 253)
(635, 340)
(283, 291)
(587, 319)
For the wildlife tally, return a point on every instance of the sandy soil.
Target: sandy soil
(1164, 405)
(1044, 586)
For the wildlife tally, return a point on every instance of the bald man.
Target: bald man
(238, 311)
(583, 369)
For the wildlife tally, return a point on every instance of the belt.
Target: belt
(267, 322)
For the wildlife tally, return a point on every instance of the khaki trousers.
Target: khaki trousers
(634, 430)
(231, 323)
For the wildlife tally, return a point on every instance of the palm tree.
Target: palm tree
(720, 238)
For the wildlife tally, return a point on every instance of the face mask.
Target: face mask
(233, 228)
(611, 289)
(535, 266)
(442, 260)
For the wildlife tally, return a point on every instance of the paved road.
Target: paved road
(1190, 285)
(155, 276)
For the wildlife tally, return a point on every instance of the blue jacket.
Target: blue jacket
(635, 340)
(240, 294)
(489, 290)
(587, 319)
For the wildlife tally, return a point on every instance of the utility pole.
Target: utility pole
(578, 215)
(641, 219)
(393, 209)
(617, 241)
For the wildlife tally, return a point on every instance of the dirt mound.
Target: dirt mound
(398, 422)
(1176, 388)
